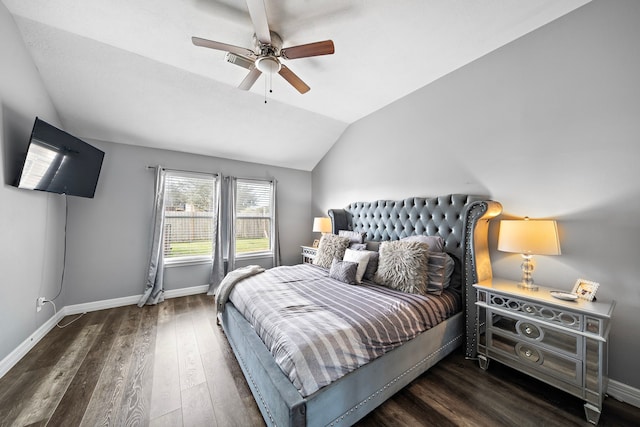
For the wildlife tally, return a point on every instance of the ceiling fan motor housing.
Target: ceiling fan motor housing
(273, 48)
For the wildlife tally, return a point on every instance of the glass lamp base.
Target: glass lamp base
(527, 273)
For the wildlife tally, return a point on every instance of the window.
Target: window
(254, 217)
(188, 216)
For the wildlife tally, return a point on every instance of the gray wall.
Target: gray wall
(31, 223)
(108, 236)
(549, 125)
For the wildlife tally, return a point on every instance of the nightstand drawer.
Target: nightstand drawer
(538, 334)
(533, 357)
(537, 311)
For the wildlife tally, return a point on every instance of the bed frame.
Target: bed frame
(462, 221)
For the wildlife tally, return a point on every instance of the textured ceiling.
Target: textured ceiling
(126, 71)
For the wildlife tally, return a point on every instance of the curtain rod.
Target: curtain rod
(215, 174)
(182, 170)
(251, 179)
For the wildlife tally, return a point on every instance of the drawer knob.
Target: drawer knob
(529, 330)
(529, 354)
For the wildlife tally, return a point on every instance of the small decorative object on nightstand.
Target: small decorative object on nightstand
(561, 342)
(308, 254)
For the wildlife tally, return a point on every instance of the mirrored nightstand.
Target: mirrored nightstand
(563, 343)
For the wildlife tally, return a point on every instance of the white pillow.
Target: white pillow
(361, 257)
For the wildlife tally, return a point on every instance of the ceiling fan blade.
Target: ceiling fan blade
(293, 80)
(250, 79)
(312, 49)
(240, 60)
(258, 13)
(222, 46)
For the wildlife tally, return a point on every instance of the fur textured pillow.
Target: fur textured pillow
(403, 265)
(330, 247)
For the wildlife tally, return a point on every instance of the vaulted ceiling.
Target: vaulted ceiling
(126, 70)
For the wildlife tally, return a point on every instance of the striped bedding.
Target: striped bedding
(319, 329)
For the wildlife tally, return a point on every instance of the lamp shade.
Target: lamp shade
(532, 237)
(322, 224)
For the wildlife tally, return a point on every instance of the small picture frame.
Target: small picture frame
(316, 243)
(585, 289)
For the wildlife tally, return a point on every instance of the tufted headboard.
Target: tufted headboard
(461, 220)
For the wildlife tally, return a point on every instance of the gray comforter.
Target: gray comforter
(229, 282)
(319, 329)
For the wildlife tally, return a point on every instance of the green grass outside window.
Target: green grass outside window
(203, 247)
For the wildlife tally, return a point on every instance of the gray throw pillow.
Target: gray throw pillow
(353, 236)
(450, 265)
(436, 243)
(330, 247)
(372, 265)
(344, 271)
(403, 265)
(437, 272)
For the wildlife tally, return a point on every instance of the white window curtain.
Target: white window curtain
(154, 290)
(232, 194)
(217, 265)
(275, 226)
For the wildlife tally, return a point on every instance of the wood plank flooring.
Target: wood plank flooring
(170, 365)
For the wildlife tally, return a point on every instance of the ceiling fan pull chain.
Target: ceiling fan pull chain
(265, 91)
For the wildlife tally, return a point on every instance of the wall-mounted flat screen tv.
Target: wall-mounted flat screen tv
(60, 163)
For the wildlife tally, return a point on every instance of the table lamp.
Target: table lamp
(321, 225)
(529, 237)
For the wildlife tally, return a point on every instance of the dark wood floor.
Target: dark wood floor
(170, 365)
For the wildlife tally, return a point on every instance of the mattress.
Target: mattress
(319, 329)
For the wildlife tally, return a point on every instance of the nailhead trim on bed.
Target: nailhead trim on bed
(362, 403)
(255, 387)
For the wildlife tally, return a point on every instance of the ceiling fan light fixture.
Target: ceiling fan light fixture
(268, 64)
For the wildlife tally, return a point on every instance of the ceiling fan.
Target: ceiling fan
(268, 52)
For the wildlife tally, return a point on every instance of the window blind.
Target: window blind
(254, 216)
(189, 215)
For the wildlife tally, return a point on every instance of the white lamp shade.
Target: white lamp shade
(533, 237)
(322, 225)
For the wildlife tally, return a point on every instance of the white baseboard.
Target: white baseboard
(100, 305)
(624, 393)
(19, 352)
(14, 357)
(183, 292)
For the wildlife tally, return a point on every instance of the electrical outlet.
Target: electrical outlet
(39, 303)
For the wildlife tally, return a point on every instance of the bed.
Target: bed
(462, 223)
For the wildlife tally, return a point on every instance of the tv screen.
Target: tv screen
(60, 163)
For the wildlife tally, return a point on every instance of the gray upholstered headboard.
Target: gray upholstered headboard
(461, 220)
